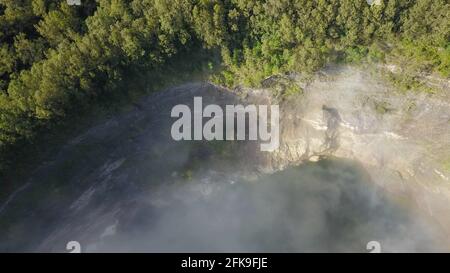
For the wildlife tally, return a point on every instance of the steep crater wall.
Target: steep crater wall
(402, 138)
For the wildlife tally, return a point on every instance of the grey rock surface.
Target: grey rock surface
(125, 185)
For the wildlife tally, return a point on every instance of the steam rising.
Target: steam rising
(129, 187)
(329, 206)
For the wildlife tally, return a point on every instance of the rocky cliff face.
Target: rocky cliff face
(403, 139)
(126, 185)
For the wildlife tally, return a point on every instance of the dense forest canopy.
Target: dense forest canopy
(57, 59)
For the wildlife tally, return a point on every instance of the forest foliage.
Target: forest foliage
(58, 60)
